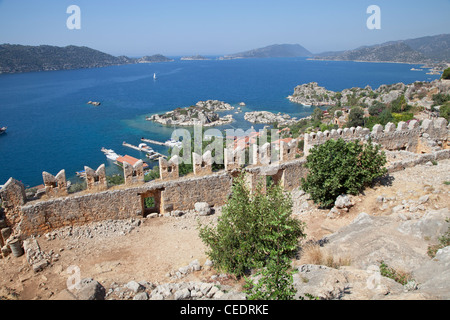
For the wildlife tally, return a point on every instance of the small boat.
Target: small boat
(144, 147)
(154, 76)
(3, 130)
(110, 154)
(173, 143)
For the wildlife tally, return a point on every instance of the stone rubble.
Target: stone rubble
(104, 229)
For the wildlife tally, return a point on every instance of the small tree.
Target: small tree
(356, 117)
(337, 167)
(446, 74)
(317, 114)
(253, 227)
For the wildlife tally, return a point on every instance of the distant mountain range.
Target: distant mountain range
(273, 51)
(432, 49)
(18, 58)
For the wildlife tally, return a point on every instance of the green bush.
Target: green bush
(405, 116)
(115, 180)
(440, 99)
(252, 228)
(444, 111)
(446, 74)
(152, 174)
(356, 117)
(275, 281)
(377, 108)
(338, 167)
(399, 105)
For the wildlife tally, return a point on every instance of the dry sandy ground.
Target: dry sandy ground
(162, 245)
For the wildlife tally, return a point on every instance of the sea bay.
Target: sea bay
(50, 126)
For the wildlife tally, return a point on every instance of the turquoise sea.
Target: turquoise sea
(50, 126)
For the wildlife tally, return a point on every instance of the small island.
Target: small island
(203, 113)
(153, 59)
(311, 94)
(94, 103)
(265, 117)
(194, 58)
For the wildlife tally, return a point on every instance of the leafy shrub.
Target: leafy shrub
(440, 99)
(405, 116)
(115, 180)
(356, 117)
(445, 111)
(338, 167)
(275, 281)
(446, 74)
(77, 187)
(253, 227)
(376, 108)
(152, 174)
(399, 105)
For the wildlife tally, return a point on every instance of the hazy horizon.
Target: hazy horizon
(213, 28)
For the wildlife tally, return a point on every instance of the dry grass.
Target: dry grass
(314, 254)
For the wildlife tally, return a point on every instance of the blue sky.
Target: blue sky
(215, 27)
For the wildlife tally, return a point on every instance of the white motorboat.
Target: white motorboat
(173, 143)
(110, 154)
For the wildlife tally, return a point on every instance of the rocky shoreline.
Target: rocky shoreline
(265, 117)
(203, 113)
(416, 94)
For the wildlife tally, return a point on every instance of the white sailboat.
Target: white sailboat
(154, 76)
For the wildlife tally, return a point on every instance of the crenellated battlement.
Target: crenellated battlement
(202, 165)
(404, 136)
(276, 162)
(169, 169)
(55, 186)
(234, 159)
(96, 180)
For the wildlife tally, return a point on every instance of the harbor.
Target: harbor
(142, 147)
(150, 153)
(169, 143)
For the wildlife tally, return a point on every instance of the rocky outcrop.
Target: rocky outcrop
(266, 117)
(311, 94)
(203, 113)
(418, 93)
(368, 241)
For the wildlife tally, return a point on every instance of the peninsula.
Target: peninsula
(425, 50)
(203, 113)
(20, 59)
(419, 94)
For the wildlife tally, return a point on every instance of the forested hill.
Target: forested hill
(19, 58)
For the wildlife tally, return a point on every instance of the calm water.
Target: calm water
(50, 126)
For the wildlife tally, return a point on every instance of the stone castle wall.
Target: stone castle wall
(172, 193)
(401, 137)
